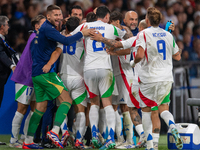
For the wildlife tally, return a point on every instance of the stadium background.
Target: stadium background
(184, 13)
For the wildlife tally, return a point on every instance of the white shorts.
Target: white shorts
(24, 94)
(124, 89)
(135, 93)
(99, 81)
(76, 88)
(153, 94)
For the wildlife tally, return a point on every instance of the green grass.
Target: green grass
(6, 138)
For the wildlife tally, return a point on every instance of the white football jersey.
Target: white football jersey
(159, 46)
(96, 56)
(121, 64)
(136, 68)
(72, 58)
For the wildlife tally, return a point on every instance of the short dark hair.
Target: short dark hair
(75, 7)
(154, 16)
(116, 15)
(90, 17)
(36, 20)
(72, 23)
(52, 7)
(102, 11)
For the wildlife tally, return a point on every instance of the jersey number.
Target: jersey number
(99, 48)
(29, 91)
(70, 49)
(161, 46)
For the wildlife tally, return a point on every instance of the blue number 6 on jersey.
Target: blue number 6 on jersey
(100, 48)
(161, 46)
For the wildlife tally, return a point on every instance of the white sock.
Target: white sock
(63, 126)
(28, 139)
(110, 120)
(168, 118)
(16, 124)
(80, 125)
(102, 122)
(128, 126)
(139, 129)
(118, 127)
(94, 118)
(25, 130)
(147, 126)
(56, 129)
(155, 137)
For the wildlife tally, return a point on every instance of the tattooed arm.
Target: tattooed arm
(177, 56)
(112, 43)
(128, 33)
(120, 52)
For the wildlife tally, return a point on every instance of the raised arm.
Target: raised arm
(55, 35)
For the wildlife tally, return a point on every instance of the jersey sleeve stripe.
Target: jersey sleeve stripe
(134, 43)
(173, 43)
(82, 28)
(146, 46)
(82, 54)
(134, 55)
(144, 37)
(115, 31)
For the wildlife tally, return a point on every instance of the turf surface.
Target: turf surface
(6, 138)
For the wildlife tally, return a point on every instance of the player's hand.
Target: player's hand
(111, 52)
(86, 32)
(13, 68)
(58, 74)
(132, 63)
(46, 68)
(97, 36)
(172, 26)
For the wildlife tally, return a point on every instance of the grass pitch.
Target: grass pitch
(6, 138)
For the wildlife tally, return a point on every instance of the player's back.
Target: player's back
(96, 56)
(72, 58)
(159, 47)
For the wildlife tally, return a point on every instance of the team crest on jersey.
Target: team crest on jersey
(36, 42)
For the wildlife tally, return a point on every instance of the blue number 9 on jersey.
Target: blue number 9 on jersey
(161, 46)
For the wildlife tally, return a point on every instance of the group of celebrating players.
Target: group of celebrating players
(95, 73)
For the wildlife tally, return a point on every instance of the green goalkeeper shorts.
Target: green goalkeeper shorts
(47, 86)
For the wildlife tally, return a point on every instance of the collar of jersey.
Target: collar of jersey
(47, 21)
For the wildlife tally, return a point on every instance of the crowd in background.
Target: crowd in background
(184, 13)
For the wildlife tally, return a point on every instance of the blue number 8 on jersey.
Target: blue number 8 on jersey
(100, 48)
